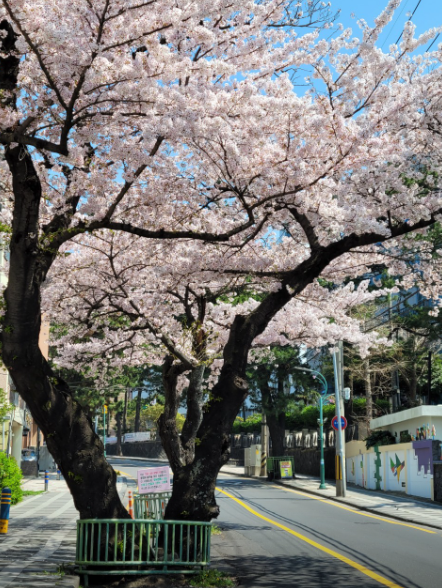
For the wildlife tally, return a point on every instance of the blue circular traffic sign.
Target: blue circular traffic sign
(335, 425)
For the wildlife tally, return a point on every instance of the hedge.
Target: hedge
(10, 477)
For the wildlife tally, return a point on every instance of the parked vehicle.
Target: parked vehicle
(27, 455)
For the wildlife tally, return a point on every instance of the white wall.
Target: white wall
(398, 469)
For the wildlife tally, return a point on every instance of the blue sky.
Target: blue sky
(427, 15)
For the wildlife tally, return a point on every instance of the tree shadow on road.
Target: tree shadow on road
(296, 570)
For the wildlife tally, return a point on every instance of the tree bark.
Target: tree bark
(275, 418)
(180, 448)
(68, 431)
(276, 424)
(368, 392)
(119, 433)
(413, 385)
(137, 411)
(126, 392)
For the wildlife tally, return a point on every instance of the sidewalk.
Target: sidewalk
(403, 508)
(40, 539)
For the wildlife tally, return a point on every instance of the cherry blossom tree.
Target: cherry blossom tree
(102, 108)
(170, 120)
(129, 300)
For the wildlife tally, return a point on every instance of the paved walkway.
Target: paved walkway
(40, 539)
(405, 508)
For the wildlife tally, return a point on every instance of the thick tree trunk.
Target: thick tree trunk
(126, 392)
(413, 386)
(119, 433)
(180, 449)
(137, 412)
(276, 424)
(68, 431)
(193, 495)
(368, 391)
(275, 417)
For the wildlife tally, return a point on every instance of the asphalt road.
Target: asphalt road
(281, 537)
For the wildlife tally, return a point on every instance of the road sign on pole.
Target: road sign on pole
(335, 423)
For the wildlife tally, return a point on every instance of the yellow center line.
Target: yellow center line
(362, 514)
(373, 575)
(127, 475)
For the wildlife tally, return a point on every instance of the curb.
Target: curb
(337, 499)
(363, 508)
(123, 457)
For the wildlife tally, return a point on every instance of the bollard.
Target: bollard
(130, 506)
(46, 480)
(5, 505)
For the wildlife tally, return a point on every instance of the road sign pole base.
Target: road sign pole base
(322, 487)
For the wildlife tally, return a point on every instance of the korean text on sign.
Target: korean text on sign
(153, 480)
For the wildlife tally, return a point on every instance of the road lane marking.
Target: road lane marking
(362, 514)
(127, 475)
(373, 575)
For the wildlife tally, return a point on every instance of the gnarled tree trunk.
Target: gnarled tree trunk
(137, 411)
(368, 391)
(68, 431)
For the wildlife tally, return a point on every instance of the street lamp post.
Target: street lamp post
(322, 395)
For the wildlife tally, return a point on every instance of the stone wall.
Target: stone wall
(302, 445)
(307, 462)
(152, 449)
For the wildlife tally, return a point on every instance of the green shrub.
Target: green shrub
(252, 424)
(379, 438)
(360, 404)
(10, 477)
(329, 411)
(310, 416)
(293, 419)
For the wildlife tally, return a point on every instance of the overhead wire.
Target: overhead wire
(411, 16)
(432, 42)
(395, 21)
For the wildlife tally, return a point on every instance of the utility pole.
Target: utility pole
(340, 443)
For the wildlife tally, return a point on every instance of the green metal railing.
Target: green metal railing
(140, 547)
(273, 468)
(151, 505)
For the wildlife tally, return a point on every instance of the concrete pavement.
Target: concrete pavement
(41, 539)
